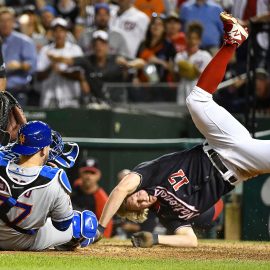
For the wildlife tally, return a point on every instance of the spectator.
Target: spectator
(117, 43)
(59, 84)
(29, 25)
(98, 67)
(78, 29)
(87, 10)
(174, 33)
(207, 13)
(155, 49)
(154, 60)
(18, 5)
(34, 18)
(191, 62)
(48, 14)
(131, 23)
(19, 55)
(67, 9)
(87, 193)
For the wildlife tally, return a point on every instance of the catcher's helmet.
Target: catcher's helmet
(32, 137)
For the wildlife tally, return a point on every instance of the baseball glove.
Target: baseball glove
(11, 118)
(144, 239)
(188, 70)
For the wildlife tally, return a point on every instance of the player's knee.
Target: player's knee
(190, 102)
(84, 227)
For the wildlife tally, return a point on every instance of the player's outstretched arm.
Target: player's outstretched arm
(184, 237)
(127, 186)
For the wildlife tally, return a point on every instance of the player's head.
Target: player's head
(139, 201)
(33, 137)
(135, 207)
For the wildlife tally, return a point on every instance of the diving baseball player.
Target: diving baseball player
(183, 186)
(36, 211)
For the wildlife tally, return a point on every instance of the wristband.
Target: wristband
(101, 229)
(155, 239)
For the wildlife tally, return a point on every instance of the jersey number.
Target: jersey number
(174, 181)
(25, 213)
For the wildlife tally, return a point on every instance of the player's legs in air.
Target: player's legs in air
(223, 132)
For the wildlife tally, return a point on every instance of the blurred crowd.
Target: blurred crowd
(67, 53)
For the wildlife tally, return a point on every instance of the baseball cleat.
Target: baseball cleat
(235, 33)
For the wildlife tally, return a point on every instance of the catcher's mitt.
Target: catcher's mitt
(11, 118)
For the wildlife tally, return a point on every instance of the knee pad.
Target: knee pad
(84, 227)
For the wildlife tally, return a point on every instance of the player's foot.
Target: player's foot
(234, 32)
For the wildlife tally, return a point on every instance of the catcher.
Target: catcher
(36, 211)
(183, 186)
(35, 208)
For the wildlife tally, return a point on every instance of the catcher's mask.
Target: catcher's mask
(63, 153)
(57, 146)
(32, 137)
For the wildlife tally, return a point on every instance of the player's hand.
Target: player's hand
(144, 239)
(99, 233)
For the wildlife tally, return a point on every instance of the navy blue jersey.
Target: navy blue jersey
(185, 183)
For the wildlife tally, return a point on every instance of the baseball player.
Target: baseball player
(35, 211)
(184, 185)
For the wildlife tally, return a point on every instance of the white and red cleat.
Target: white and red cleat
(235, 33)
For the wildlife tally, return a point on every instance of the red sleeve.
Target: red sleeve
(100, 199)
(218, 209)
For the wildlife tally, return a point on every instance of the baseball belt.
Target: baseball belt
(214, 157)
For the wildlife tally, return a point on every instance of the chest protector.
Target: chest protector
(16, 189)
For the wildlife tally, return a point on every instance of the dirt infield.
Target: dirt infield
(207, 250)
(219, 250)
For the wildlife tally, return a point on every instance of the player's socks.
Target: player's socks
(234, 36)
(213, 74)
